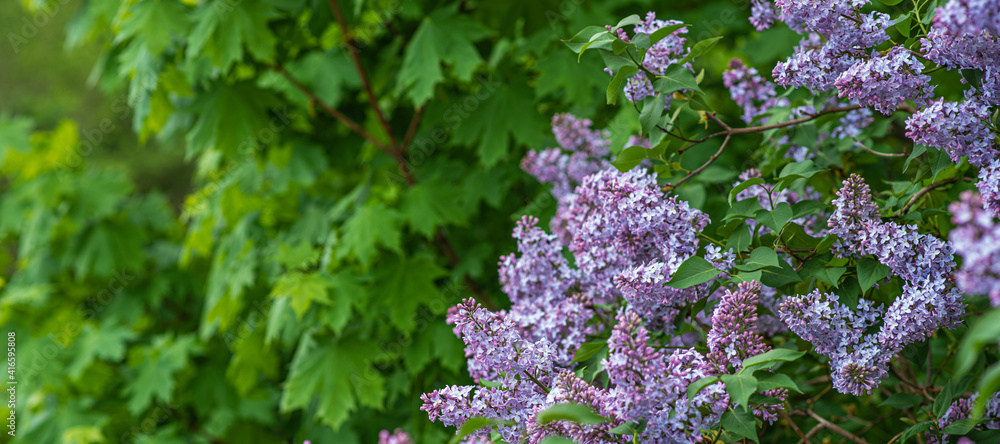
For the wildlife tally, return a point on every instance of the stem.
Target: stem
(705, 165)
(925, 190)
(365, 83)
(329, 109)
(412, 130)
(834, 428)
(858, 143)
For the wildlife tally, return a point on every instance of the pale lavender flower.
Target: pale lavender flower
(396, 437)
(976, 238)
(749, 90)
(958, 128)
(883, 82)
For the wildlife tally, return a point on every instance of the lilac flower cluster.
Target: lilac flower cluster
(664, 53)
(582, 152)
(958, 128)
(962, 409)
(539, 284)
(853, 122)
(396, 437)
(750, 90)
(929, 300)
(519, 371)
(962, 130)
(976, 238)
(621, 219)
(883, 82)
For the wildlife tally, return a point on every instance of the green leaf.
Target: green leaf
(303, 289)
(902, 401)
(700, 48)
(903, 23)
(870, 271)
(629, 428)
(768, 359)
(890, 2)
(776, 218)
(632, 156)
(154, 23)
(106, 341)
(741, 423)
(740, 239)
(799, 170)
(405, 283)
(700, 385)
(223, 30)
(475, 424)
(914, 429)
(663, 32)
(830, 275)
(633, 19)
(154, 375)
(985, 330)
(693, 271)
(369, 227)
(444, 37)
(739, 387)
(229, 118)
(506, 114)
(742, 186)
(430, 204)
(676, 78)
(587, 350)
(961, 427)
(779, 276)
(576, 413)
(341, 366)
(917, 151)
(616, 83)
(776, 380)
(585, 35)
(989, 384)
(759, 258)
(557, 440)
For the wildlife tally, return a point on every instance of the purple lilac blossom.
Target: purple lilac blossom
(976, 238)
(538, 283)
(497, 352)
(733, 337)
(582, 152)
(620, 220)
(929, 299)
(962, 409)
(651, 385)
(989, 186)
(396, 437)
(568, 388)
(750, 90)
(958, 128)
(853, 123)
(883, 82)
(762, 14)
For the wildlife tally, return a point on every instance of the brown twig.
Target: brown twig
(923, 191)
(857, 142)
(834, 428)
(412, 130)
(792, 424)
(705, 165)
(329, 109)
(365, 83)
